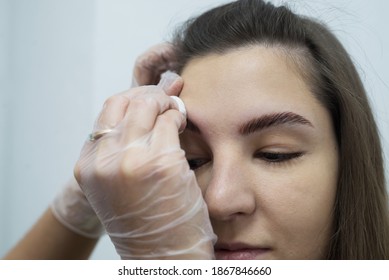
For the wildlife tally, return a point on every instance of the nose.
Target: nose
(229, 192)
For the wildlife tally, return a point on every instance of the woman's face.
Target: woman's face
(264, 153)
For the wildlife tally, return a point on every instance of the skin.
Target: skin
(48, 239)
(261, 205)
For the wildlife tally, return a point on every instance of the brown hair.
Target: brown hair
(361, 221)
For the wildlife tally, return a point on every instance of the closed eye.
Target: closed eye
(197, 163)
(274, 158)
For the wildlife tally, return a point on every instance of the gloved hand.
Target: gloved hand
(70, 206)
(138, 181)
(150, 65)
(71, 209)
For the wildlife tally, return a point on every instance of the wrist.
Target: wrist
(71, 208)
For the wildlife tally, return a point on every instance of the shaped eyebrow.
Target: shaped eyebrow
(273, 119)
(262, 122)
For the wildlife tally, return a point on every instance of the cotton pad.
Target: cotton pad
(180, 104)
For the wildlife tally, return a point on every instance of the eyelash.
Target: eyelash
(278, 158)
(194, 163)
(270, 158)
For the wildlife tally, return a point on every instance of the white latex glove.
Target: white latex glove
(70, 206)
(71, 209)
(138, 181)
(150, 65)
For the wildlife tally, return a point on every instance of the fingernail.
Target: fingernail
(167, 79)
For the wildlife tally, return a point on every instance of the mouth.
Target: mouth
(240, 251)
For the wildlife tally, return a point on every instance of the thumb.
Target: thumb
(171, 83)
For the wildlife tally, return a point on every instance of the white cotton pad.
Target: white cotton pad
(180, 104)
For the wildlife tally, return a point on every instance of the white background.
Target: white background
(59, 61)
(194, 270)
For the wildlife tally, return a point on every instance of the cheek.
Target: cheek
(298, 207)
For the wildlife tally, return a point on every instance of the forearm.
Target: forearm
(49, 239)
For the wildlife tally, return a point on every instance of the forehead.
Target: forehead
(243, 82)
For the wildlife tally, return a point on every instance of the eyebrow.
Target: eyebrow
(262, 122)
(270, 120)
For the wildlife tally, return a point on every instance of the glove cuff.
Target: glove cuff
(71, 208)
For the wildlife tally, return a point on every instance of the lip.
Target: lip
(229, 251)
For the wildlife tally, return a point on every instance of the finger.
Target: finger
(150, 65)
(171, 83)
(115, 107)
(168, 55)
(113, 111)
(166, 130)
(143, 111)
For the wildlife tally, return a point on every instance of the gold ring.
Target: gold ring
(98, 134)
